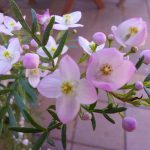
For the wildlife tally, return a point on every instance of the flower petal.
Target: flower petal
(67, 108)
(1, 18)
(76, 16)
(4, 30)
(41, 52)
(58, 19)
(34, 80)
(69, 70)
(50, 86)
(60, 27)
(86, 93)
(5, 66)
(84, 43)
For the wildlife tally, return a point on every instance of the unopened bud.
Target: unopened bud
(134, 49)
(86, 116)
(110, 37)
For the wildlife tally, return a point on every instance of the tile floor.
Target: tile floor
(106, 136)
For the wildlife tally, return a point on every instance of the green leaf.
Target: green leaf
(19, 15)
(83, 58)
(115, 110)
(92, 106)
(50, 141)
(19, 101)
(61, 45)
(93, 120)
(3, 111)
(5, 91)
(109, 118)
(147, 91)
(64, 136)
(34, 21)
(40, 141)
(48, 31)
(147, 78)
(30, 91)
(139, 63)
(32, 121)
(26, 130)
(6, 77)
(53, 114)
(11, 117)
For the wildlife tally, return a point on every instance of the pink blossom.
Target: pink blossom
(146, 54)
(44, 18)
(139, 85)
(31, 61)
(132, 32)
(109, 70)
(70, 91)
(129, 124)
(99, 38)
(9, 55)
(33, 43)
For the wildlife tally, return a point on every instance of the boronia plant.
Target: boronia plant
(33, 62)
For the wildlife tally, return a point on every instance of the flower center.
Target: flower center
(133, 30)
(68, 19)
(34, 72)
(67, 88)
(7, 54)
(106, 69)
(53, 49)
(12, 24)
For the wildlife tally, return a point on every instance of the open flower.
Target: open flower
(51, 47)
(44, 18)
(33, 76)
(132, 32)
(109, 70)
(89, 47)
(11, 24)
(9, 56)
(68, 21)
(4, 30)
(70, 91)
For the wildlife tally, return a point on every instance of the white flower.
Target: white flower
(89, 47)
(33, 76)
(68, 21)
(9, 56)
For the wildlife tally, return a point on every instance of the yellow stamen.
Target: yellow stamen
(34, 72)
(66, 88)
(6, 54)
(53, 49)
(68, 19)
(106, 69)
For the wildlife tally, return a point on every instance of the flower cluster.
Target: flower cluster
(39, 63)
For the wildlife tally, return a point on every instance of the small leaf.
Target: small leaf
(48, 30)
(53, 114)
(139, 63)
(32, 121)
(19, 15)
(6, 77)
(115, 110)
(30, 91)
(93, 120)
(5, 91)
(26, 130)
(108, 118)
(19, 101)
(50, 141)
(34, 21)
(61, 45)
(147, 78)
(40, 141)
(64, 136)
(92, 106)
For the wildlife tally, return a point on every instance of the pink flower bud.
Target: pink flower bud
(110, 37)
(86, 116)
(31, 61)
(146, 54)
(25, 46)
(33, 43)
(139, 85)
(129, 124)
(25, 142)
(99, 38)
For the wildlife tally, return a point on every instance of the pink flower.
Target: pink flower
(9, 55)
(99, 38)
(44, 18)
(146, 54)
(33, 43)
(68, 21)
(70, 91)
(31, 61)
(129, 124)
(132, 32)
(33, 76)
(139, 85)
(109, 70)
